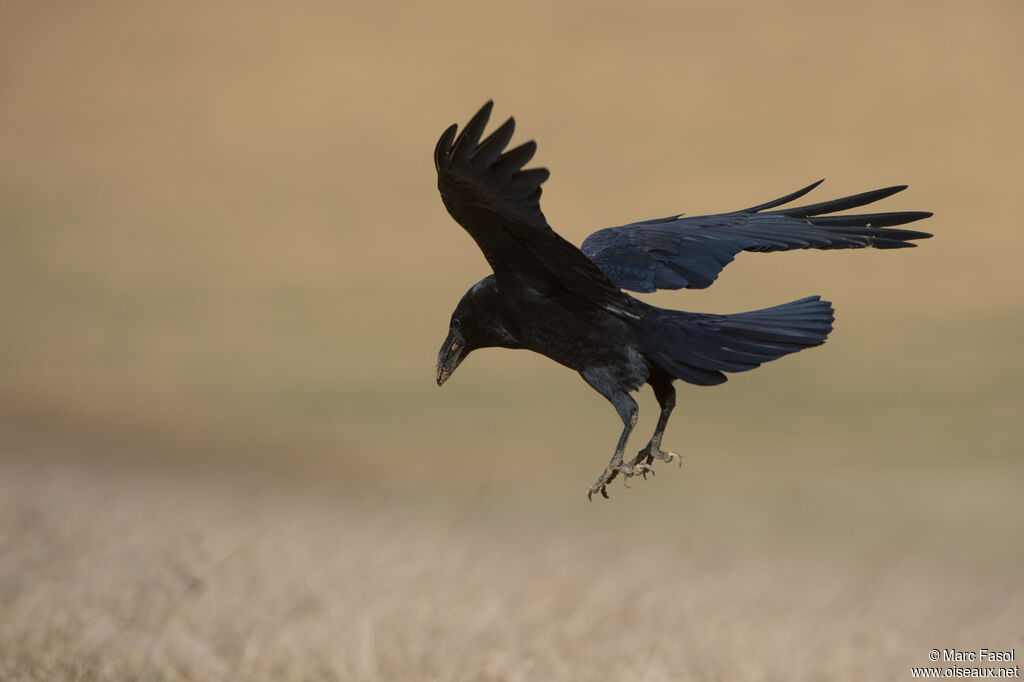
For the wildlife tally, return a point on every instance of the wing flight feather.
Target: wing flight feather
(689, 252)
(490, 193)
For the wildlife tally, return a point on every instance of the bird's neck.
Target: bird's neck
(499, 334)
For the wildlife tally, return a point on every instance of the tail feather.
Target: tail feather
(698, 348)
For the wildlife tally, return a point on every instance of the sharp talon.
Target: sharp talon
(604, 492)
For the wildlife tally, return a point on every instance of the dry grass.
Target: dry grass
(225, 272)
(112, 573)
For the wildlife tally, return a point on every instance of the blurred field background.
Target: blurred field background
(225, 273)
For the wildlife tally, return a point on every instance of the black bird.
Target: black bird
(567, 303)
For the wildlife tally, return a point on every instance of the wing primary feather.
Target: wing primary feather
(876, 220)
(444, 146)
(842, 204)
(467, 140)
(783, 200)
(491, 146)
(524, 183)
(514, 159)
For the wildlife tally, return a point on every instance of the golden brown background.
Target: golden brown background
(225, 273)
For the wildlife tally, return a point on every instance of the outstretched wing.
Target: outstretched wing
(677, 252)
(489, 193)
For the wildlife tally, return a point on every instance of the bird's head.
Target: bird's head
(479, 321)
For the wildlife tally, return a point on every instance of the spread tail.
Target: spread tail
(698, 348)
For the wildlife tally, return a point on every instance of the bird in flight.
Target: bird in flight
(568, 303)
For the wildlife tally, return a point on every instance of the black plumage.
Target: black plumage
(567, 303)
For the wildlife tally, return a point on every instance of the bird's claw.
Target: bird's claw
(649, 454)
(634, 468)
(641, 465)
(601, 485)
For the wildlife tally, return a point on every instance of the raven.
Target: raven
(567, 303)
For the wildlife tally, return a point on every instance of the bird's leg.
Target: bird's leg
(666, 395)
(627, 409)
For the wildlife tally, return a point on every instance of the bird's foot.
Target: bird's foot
(634, 468)
(651, 453)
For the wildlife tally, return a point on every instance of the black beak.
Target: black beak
(452, 352)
